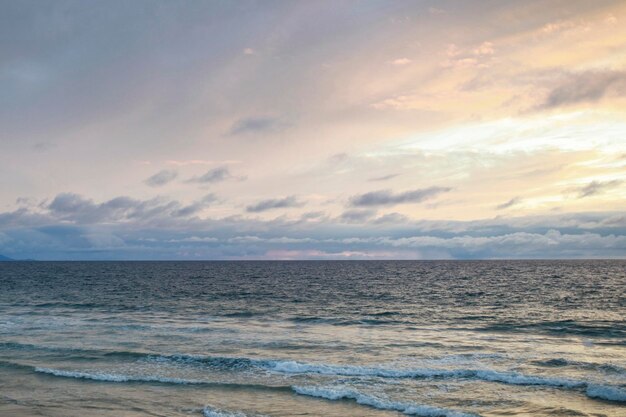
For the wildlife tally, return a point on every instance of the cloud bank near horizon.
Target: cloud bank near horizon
(75, 227)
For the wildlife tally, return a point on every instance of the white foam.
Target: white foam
(108, 377)
(293, 367)
(512, 378)
(605, 392)
(334, 394)
(210, 411)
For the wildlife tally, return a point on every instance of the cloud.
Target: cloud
(481, 56)
(597, 187)
(357, 216)
(557, 26)
(214, 175)
(78, 209)
(383, 178)
(271, 204)
(392, 218)
(161, 178)
(522, 244)
(510, 203)
(485, 48)
(401, 62)
(588, 86)
(196, 206)
(255, 125)
(200, 162)
(388, 198)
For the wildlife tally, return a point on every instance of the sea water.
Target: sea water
(372, 338)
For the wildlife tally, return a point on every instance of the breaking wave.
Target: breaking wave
(592, 389)
(334, 394)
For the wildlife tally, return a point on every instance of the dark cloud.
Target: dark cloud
(161, 178)
(196, 206)
(392, 218)
(214, 175)
(388, 198)
(586, 86)
(510, 203)
(383, 178)
(313, 215)
(271, 204)
(597, 187)
(357, 216)
(255, 125)
(78, 209)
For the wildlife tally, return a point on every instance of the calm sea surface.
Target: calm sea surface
(501, 338)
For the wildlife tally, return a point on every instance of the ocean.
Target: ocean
(371, 338)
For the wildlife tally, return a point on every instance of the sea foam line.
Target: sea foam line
(121, 378)
(108, 377)
(513, 378)
(334, 394)
(598, 391)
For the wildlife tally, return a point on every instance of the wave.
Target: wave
(334, 394)
(605, 392)
(112, 377)
(514, 378)
(223, 362)
(593, 390)
(123, 378)
(561, 362)
(210, 411)
(563, 327)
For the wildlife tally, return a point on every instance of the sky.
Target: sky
(312, 129)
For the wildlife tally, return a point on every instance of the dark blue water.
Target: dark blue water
(374, 338)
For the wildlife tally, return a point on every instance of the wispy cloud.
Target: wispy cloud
(388, 198)
(383, 178)
(214, 175)
(510, 203)
(76, 208)
(196, 206)
(357, 215)
(584, 87)
(256, 125)
(597, 187)
(401, 62)
(185, 162)
(270, 204)
(161, 178)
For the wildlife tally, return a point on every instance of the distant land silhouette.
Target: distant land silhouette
(5, 258)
